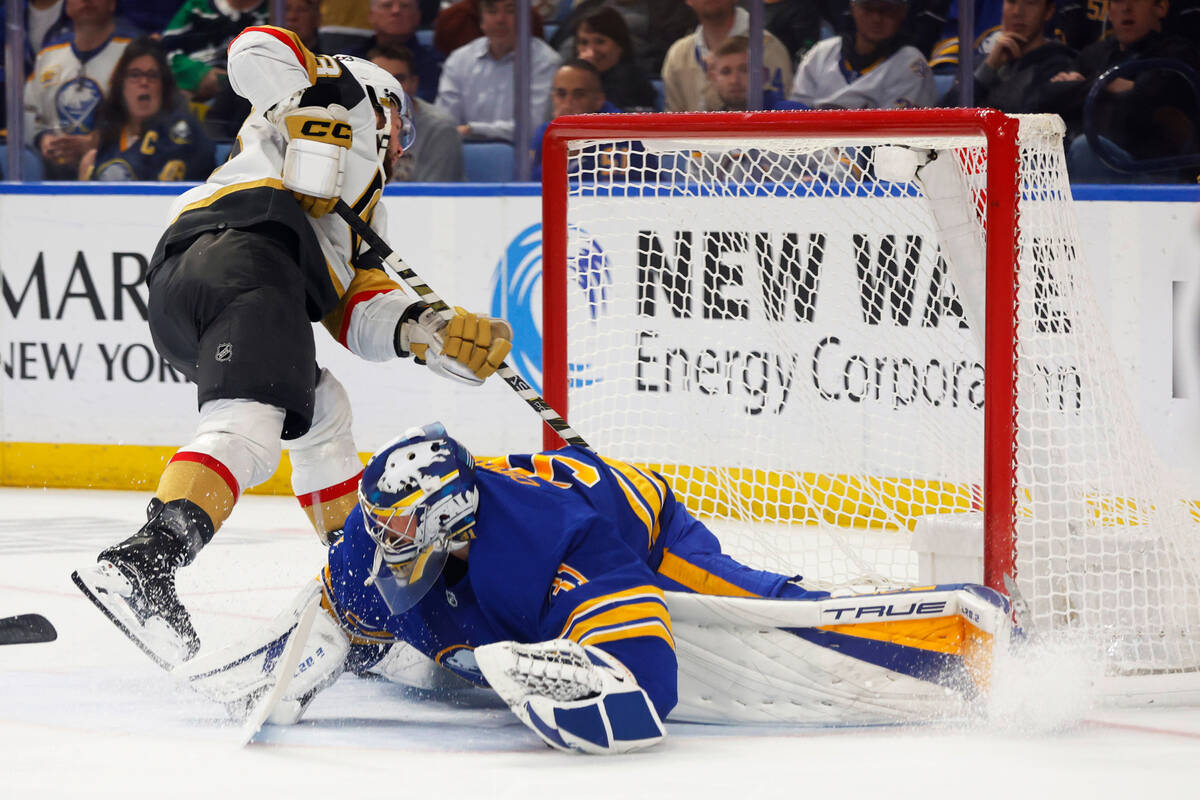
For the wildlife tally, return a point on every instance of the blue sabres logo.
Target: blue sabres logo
(76, 102)
(517, 295)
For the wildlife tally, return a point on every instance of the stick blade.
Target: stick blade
(26, 629)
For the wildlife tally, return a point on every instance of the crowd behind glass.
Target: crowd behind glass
(121, 90)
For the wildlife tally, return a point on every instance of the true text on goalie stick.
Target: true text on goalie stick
(423, 290)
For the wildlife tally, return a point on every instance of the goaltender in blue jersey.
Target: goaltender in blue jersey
(563, 545)
(542, 576)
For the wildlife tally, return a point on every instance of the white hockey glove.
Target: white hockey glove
(239, 675)
(575, 698)
(467, 348)
(314, 165)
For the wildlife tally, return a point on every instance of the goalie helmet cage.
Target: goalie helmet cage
(799, 348)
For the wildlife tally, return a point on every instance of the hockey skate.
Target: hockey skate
(133, 584)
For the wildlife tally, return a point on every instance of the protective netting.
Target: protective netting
(781, 335)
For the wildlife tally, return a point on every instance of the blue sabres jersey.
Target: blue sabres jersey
(173, 148)
(567, 545)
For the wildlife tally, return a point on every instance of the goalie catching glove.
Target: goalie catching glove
(315, 161)
(467, 348)
(575, 698)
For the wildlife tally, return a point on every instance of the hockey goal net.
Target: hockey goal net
(800, 347)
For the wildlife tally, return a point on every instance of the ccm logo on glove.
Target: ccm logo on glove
(320, 130)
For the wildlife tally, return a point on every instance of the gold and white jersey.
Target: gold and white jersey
(268, 66)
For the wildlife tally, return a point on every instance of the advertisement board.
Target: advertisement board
(85, 400)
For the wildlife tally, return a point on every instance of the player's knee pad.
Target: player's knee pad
(326, 455)
(243, 435)
(325, 462)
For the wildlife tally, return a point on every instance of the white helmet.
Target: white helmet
(384, 92)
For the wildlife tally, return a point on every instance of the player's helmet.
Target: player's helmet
(418, 500)
(384, 92)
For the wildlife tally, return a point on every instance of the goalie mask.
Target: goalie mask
(384, 93)
(418, 500)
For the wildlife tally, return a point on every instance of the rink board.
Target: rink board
(85, 401)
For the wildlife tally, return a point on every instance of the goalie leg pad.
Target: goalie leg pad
(574, 698)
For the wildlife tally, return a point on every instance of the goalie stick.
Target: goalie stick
(423, 290)
(26, 629)
(288, 662)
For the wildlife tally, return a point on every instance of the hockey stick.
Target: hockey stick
(422, 289)
(26, 629)
(288, 661)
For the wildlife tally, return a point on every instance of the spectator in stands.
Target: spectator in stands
(729, 75)
(944, 56)
(68, 83)
(869, 68)
(199, 35)
(228, 110)
(578, 89)
(602, 39)
(144, 128)
(437, 154)
(345, 25)
(1152, 115)
(45, 23)
(653, 25)
(1015, 76)
(149, 16)
(797, 23)
(1080, 23)
(394, 23)
(477, 79)
(685, 69)
(460, 24)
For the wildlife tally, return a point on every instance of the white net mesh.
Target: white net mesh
(781, 336)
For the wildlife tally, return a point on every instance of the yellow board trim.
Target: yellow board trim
(105, 466)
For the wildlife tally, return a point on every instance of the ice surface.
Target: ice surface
(89, 716)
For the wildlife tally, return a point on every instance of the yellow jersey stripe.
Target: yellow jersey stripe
(700, 581)
(630, 632)
(638, 504)
(272, 183)
(636, 594)
(636, 612)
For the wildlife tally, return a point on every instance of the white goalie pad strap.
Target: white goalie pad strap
(755, 660)
(314, 168)
(574, 698)
(239, 675)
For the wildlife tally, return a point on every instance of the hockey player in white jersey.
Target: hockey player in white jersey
(249, 260)
(870, 67)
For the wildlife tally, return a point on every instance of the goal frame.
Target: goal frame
(1002, 183)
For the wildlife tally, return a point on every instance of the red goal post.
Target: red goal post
(1002, 181)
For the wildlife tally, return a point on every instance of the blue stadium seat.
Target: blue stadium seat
(425, 37)
(488, 162)
(30, 163)
(661, 103)
(221, 152)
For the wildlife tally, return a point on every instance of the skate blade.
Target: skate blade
(108, 590)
